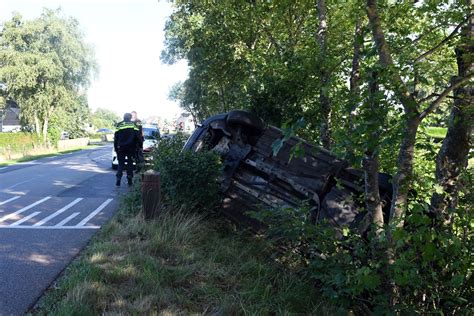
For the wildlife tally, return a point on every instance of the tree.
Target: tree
(452, 157)
(103, 118)
(324, 75)
(46, 66)
(412, 106)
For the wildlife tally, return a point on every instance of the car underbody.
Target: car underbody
(254, 178)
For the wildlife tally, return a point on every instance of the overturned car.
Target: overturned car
(253, 177)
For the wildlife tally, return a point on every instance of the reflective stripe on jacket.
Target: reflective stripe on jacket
(126, 136)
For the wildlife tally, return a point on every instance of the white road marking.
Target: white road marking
(94, 213)
(48, 227)
(24, 219)
(9, 200)
(106, 155)
(64, 221)
(26, 208)
(44, 220)
(15, 185)
(1, 168)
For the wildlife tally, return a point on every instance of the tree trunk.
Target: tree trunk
(324, 102)
(222, 97)
(45, 129)
(402, 180)
(37, 125)
(355, 71)
(371, 163)
(354, 85)
(453, 156)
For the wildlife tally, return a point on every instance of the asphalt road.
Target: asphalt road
(49, 209)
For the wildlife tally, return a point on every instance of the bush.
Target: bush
(431, 272)
(188, 180)
(18, 142)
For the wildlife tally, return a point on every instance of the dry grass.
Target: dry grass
(180, 263)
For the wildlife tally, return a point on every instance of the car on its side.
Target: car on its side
(261, 171)
(151, 136)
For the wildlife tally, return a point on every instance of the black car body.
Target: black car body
(253, 177)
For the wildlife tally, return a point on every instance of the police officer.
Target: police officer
(126, 141)
(139, 153)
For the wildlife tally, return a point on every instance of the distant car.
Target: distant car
(151, 135)
(167, 136)
(106, 134)
(105, 131)
(64, 135)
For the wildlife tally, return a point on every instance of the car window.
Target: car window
(151, 133)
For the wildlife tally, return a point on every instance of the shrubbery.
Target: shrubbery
(419, 268)
(18, 143)
(430, 270)
(188, 180)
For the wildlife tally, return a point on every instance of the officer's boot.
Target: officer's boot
(130, 181)
(117, 182)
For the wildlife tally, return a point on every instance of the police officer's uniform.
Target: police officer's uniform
(140, 160)
(126, 141)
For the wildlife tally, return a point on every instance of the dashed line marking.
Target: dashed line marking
(95, 212)
(44, 220)
(9, 200)
(24, 219)
(26, 208)
(48, 227)
(67, 219)
(20, 183)
(41, 224)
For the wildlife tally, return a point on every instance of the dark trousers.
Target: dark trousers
(121, 163)
(139, 159)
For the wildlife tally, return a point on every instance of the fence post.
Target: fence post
(151, 194)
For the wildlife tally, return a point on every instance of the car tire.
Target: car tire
(251, 123)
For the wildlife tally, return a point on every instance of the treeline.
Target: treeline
(46, 67)
(368, 78)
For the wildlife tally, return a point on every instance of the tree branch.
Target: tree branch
(385, 58)
(433, 105)
(437, 95)
(272, 39)
(445, 40)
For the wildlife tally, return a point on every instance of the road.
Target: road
(49, 210)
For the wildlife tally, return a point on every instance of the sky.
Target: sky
(127, 36)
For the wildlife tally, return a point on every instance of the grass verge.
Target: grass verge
(180, 263)
(47, 153)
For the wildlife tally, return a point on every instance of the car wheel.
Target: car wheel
(251, 123)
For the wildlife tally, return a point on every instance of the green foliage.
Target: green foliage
(264, 56)
(18, 143)
(432, 270)
(188, 179)
(103, 118)
(436, 132)
(17, 140)
(47, 67)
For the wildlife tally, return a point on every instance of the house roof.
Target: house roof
(12, 114)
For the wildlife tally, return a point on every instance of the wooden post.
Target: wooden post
(151, 194)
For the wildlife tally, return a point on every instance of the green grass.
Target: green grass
(52, 153)
(436, 132)
(180, 263)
